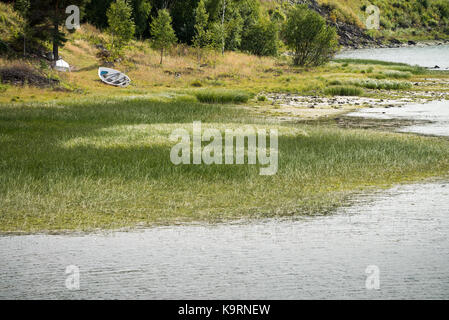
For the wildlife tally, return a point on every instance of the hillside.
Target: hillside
(400, 20)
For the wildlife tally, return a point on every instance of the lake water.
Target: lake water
(402, 232)
(425, 56)
(435, 115)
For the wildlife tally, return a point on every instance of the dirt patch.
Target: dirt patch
(22, 74)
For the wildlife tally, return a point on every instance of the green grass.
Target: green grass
(394, 74)
(222, 96)
(106, 164)
(341, 90)
(382, 85)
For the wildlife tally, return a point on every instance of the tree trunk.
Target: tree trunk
(223, 28)
(162, 54)
(55, 43)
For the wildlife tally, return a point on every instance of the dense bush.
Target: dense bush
(262, 39)
(307, 35)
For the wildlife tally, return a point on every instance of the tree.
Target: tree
(201, 38)
(233, 29)
(162, 31)
(202, 35)
(141, 12)
(121, 25)
(95, 12)
(46, 19)
(306, 33)
(262, 38)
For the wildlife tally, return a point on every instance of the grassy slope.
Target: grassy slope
(233, 71)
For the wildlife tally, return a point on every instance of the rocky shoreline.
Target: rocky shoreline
(394, 43)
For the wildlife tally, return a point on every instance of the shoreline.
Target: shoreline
(397, 44)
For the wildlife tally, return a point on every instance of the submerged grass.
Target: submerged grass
(106, 164)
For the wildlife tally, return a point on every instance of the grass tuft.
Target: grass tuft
(382, 85)
(222, 96)
(343, 91)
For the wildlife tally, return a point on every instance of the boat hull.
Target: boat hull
(113, 77)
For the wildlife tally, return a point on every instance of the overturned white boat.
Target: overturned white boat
(113, 77)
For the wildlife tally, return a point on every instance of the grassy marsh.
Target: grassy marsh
(106, 164)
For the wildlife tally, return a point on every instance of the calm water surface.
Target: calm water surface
(426, 56)
(435, 115)
(403, 231)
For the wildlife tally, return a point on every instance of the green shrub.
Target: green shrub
(261, 98)
(196, 83)
(3, 87)
(261, 39)
(307, 35)
(335, 83)
(222, 96)
(344, 91)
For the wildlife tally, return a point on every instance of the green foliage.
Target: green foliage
(45, 20)
(202, 36)
(163, 34)
(412, 13)
(397, 74)
(262, 38)
(141, 12)
(217, 33)
(22, 7)
(382, 85)
(95, 13)
(197, 83)
(306, 33)
(121, 25)
(234, 28)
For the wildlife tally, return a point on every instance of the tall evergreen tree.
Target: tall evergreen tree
(121, 25)
(46, 19)
(201, 38)
(163, 34)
